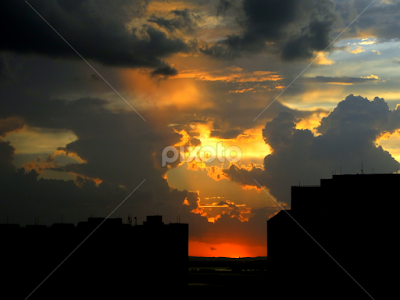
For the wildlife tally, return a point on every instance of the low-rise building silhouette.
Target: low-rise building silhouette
(339, 238)
(97, 258)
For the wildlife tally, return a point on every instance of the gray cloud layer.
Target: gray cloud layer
(293, 28)
(338, 80)
(96, 30)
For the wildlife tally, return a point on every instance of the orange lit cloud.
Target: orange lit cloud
(230, 74)
(250, 143)
(368, 41)
(312, 121)
(50, 163)
(165, 6)
(390, 142)
(216, 173)
(371, 77)
(79, 180)
(218, 206)
(146, 92)
(359, 49)
(321, 59)
(61, 151)
(40, 165)
(242, 91)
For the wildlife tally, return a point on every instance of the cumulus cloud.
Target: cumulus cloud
(347, 139)
(294, 28)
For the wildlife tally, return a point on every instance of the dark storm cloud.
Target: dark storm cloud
(230, 134)
(6, 159)
(223, 6)
(115, 144)
(10, 124)
(164, 71)
(296, 28)
(181, 20)
(381, 19)
(117, 147)
(347, 139)
(314, 37)
(355, 111)
(339, 80)
(96, 30)
(24, 197)
(194, 142)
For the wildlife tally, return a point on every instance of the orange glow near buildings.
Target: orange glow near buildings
(197, 248)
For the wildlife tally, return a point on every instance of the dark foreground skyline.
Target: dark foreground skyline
(338, 239)
(317, 250)
(95, 259)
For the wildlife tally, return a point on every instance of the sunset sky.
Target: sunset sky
(92, 91)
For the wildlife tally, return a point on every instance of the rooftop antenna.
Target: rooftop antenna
(362, 167)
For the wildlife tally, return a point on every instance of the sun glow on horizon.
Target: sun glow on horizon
(231, 250)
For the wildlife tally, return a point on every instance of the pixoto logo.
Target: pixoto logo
(206, 154)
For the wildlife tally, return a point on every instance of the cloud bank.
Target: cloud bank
(346, 139)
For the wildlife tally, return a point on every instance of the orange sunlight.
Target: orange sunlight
(153, 92)
(250, 143)
(197, 248)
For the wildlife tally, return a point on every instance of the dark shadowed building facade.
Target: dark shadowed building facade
(115, 261)
(339, 239)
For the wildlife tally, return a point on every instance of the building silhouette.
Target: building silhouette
(339, 240)
(116, 260)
